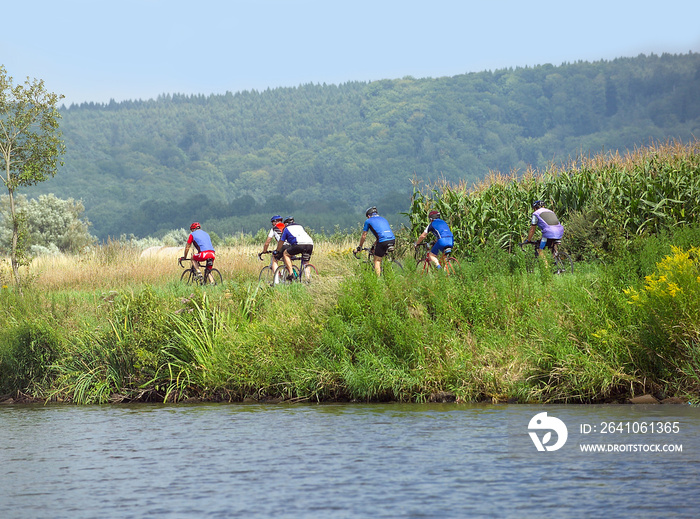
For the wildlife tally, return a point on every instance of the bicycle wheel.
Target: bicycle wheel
(187, 276)
(392, 264)
(216, 276)
(282, 274)
(396, 263)
(308, 273)
(451, 265)
(267, 275)
(563, 263)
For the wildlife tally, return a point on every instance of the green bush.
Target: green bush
(28, 352)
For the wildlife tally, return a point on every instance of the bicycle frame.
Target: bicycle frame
(209, 272)
(445, 258)
(562, 261)
(302, 273)
(370, 256)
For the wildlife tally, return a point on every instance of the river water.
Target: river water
(348, 460)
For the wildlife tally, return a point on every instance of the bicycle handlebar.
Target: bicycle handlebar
(363, 249)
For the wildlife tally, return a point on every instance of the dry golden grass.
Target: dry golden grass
(113, 266)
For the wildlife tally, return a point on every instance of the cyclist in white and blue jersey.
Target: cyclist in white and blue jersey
(299, 242)
(444, 239)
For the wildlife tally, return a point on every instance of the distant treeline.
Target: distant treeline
(328, 151)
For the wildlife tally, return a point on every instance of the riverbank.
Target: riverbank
(119, 328)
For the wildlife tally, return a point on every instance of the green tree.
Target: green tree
(53, 224)
(30, 146)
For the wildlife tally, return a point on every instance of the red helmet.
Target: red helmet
(434, 214)
(194, 226)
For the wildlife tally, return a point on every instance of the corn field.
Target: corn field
(645, 191)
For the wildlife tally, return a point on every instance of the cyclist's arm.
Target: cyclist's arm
(282, 239)
(421, 238)
(531, 232)
(362, 239)
(267, 244)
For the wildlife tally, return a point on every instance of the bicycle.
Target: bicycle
(562, 261)
(190, 275)
(304, 273)
(448, 262)
(267, 273)
(392, 261)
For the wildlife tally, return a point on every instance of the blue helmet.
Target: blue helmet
(275, 218)
(537, 204)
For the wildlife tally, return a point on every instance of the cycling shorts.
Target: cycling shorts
(382, 247)
(304, 250)
(442, 244)
(548, 242)
(203, 256)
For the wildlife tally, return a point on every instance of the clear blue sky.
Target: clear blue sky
(97, 50)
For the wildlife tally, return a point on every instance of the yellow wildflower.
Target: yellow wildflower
(673, 289)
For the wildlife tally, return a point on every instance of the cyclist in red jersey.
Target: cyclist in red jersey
(205, 250)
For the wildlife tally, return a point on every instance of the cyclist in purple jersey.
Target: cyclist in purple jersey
(547, 221)
(444, 239)
(386, 241)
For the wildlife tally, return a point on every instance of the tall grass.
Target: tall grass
(114, 327)
(489, 332)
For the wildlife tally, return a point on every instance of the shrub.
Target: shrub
(30, 348)
(669, 310)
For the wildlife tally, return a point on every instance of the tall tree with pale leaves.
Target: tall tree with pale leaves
(30, 147)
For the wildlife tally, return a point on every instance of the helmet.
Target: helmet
(275, 218)
(194, 226)
(434, 214)
(289, 219)
(370, 211)
(537, 204)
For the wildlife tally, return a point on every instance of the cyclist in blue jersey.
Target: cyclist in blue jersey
(205, 250)
(444, 239)
(386, 241)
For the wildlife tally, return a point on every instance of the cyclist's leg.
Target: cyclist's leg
(543, 244)
(273, 267)
(554, 245)
(377, 263)
(434, 260)
(208, 278)
(288, 263)
(438, 250)
(380, 250)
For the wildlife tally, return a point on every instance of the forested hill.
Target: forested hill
(328, 151)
